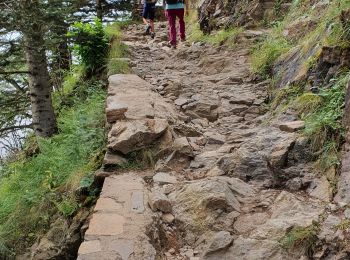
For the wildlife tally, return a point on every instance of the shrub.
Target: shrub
(91, 45)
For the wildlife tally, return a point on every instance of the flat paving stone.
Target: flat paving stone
(90, 247)
(117, 229)
(106, 224)
(137, 202)
(108, 205)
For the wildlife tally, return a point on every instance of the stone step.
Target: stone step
(118, 227)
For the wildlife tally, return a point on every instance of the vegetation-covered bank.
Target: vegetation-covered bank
(52, 178)
(305, 55)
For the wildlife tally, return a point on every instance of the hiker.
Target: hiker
(148, 14)
(173, 9)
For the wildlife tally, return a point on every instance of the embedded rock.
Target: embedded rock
(112, 159)
(292, 126)
(130, 97)
(164, 178)
(198, 204)
(219, 241)
(182, 146)
(159, 201)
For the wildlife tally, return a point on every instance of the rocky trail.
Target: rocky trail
(229, 182)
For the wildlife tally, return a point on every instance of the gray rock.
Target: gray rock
(181, 101)
(199, 204)
(220, 240)
(328, 230)
(111, 159)
(347, 213)
(321, 189)
(164, 178)
(168, 218)
(292, 126)
(128, 136)
(214, 138)
(159, 201)
(294, 184)
(182, 146)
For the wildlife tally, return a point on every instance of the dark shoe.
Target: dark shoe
(153, 35)
(147, 29)
(183, 39)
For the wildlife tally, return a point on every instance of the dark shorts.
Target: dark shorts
(149, 11)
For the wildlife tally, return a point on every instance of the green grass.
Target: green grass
(217, 38)
(35, 189)
(267, 52)
(325, 121)
(220, 37)
(118, 50)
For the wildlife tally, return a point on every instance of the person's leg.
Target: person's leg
(171, 14)
(145, 16)
(181, 14)
(152, 14)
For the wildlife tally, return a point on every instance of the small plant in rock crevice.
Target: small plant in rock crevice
(301, 237)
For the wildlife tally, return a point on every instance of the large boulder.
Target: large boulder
(129, 136)
(130, 97)
(251, 160)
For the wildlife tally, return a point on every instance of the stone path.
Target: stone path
(120, 221)
(228, 182)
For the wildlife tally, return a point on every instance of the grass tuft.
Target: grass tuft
(265, 53)
(301, 237)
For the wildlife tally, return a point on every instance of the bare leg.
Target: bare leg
(152, 25)
(145, 21)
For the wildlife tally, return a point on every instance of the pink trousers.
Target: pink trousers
(171, 14)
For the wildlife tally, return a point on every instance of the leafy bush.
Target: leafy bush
(91, 44)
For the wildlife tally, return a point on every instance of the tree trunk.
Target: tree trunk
(99, 9)
(44, 120)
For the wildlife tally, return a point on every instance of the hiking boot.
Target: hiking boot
(153, 35)
(147, 29)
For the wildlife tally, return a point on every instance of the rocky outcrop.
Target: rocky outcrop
(293, 67)
(214, 14)
(343, 194)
